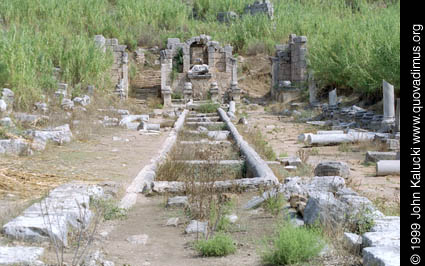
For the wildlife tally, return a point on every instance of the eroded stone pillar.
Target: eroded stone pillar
(166, 96)
(333, 98)
(187, 92)
(236, 92)
(389, 112)
(214, 91)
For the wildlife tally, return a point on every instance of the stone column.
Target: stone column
(397, 116)
(234, 70)
(236, 92)
(333, 98)
(163, 76)
(275, 75)
(214, 91)
(187, 92)
(186, 58)
(166, 95)
(389, 112)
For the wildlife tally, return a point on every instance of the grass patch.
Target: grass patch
(109, 209)
(274, 204)
(292, 245)
(217, 246)
(256, 139)
(303, 170)
(208, 107)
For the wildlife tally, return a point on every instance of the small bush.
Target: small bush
(274, 204)
(217, 246)
(208, 107)
(293, 245)
(109, 209)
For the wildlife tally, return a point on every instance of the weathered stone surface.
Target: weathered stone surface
(6, 122)
(18, 147)
(381, 239)
(388, 167)
(326, 139)
(324, 207)
(173, 222)
(219, 135)
(19, 255)
(3, 106)
(375, 156)
(232, 218)
(387, 223)
(332, 169)
(129, 121)
(199, 70)
(66, 205)
(254, 202)
(381, 256)
(197, 227)
(292, 161)
(83, 101)
(178, 201)
(59, 135)
(30, 118)
(67, 104)
(353, 242)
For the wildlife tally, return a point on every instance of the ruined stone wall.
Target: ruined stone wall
(258, 7)
(219, 59)
(289, 64)
(119, 69)
(146, 82)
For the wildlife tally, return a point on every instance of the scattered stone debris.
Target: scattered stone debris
(20, 255)
(178, 201)
(173, 222)
(50, 218)
(197, 227)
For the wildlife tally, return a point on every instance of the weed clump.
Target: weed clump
(110, 209)
(217, 246)
(208, 107)
(293, 245)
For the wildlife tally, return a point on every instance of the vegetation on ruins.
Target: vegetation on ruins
(352, 44)
(292, 245)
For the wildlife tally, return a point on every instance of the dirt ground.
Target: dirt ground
(100, 159)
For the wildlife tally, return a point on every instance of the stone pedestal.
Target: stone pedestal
(214, 92)
(166, 96)
(187, 92)
(389, 110)
(333, 98)
(236, 92)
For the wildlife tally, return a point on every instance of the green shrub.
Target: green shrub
(274, 204)
(293, 245)
(109, 209)
(217, 246)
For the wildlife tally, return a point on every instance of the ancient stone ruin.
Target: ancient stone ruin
(119, 70)
(200, 62)
(260, 7)
(289, 68)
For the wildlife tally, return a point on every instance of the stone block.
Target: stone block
(332, 169)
